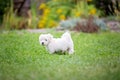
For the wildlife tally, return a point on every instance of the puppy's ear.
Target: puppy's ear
(51, 36)
(40, 36)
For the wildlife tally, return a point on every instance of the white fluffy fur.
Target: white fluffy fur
(64, 44)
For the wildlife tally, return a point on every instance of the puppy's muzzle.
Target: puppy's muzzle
(42, 43)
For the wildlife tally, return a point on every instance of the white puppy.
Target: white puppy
(64, 44)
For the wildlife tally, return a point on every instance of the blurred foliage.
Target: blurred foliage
(82, 9)
(55, 11)
(12, 21)
(90, 25)
(87, 25)
(4, 6)
(108, 7)
(69, 24)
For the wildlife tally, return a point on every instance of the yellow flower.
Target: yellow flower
(59, 11)
(53, 23)
(62, 17)
(46, 12)
(42, 6)
(44, 18)
(89, 0)
(92, 11)
(54, 0)
(41, 23)
(77, 14)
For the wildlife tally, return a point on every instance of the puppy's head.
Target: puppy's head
(45, 39)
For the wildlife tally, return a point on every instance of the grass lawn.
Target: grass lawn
(97, 57)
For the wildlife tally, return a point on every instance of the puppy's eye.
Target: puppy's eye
(45, 39)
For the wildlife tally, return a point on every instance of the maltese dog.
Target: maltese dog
(64, 44)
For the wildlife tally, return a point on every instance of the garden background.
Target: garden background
(94, 26)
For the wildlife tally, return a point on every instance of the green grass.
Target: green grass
(96, 57)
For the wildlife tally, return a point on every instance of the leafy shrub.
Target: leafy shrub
(87, 26)
(55, 11)
(100, 23)
(69, 24)
(82, 9)
(90, 24)
(4, 6)
(12, 21)
(108, 7)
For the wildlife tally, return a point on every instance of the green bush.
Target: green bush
(55, 11)
(12, 21)
(82, 9)
(4, 6)
(108, 7)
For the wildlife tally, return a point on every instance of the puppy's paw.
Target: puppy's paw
(51, 51)
(71, 51)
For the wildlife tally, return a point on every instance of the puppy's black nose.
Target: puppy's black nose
(42, 43)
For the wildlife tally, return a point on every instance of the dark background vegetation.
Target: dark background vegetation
(107, 6)
(4, 6)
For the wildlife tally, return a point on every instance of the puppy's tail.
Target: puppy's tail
(66, 35)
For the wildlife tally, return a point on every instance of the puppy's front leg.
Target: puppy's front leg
(51, 51)
(71, 51)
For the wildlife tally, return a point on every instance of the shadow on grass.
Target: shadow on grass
(61, 53)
